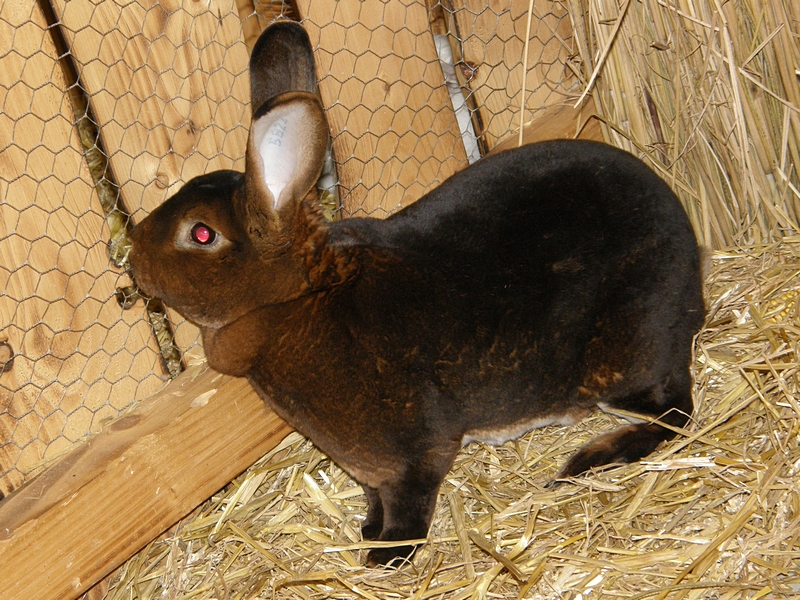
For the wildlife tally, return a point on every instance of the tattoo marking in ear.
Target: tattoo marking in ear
(277, 131)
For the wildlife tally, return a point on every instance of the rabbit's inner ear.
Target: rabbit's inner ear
(286, 149)
(275, 136)
(290, 141)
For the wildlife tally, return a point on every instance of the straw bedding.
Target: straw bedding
(713, 514)
(708, 92)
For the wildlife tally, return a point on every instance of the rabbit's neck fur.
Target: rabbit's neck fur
(326, 265)
(233, 348)
(318, 267)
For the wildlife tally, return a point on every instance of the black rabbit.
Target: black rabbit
(525, 290)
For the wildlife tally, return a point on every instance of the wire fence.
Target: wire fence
(107, 109)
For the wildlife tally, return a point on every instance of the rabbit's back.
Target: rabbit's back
(538, 281)
(554, 199)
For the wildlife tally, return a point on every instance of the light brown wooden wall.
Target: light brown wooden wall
(488, 40)
(394, 131)
(167, 85)
(79, 359)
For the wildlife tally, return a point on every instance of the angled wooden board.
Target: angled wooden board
(128, 484)
(394, 132)
(557, 123)
(79, 359)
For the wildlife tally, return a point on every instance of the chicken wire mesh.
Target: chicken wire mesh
(107, 108)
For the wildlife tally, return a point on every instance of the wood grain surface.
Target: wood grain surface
(168, 84)
(78, 359)
(489, 40)
(394, 132)
(70, 526)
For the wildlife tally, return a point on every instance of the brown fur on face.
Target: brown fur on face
(226, 283)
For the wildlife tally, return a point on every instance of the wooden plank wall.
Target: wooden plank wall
(167, 85)
(488, 40)
(394, 132)
(167, 82)
(79, 359)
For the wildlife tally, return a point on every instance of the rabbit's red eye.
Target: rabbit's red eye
(203, 234)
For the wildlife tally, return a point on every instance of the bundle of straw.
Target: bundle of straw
(709, 93)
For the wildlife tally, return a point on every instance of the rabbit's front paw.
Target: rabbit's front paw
(390, 557)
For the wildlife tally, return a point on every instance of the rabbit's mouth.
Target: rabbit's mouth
(145, 286)
(208, 297)
(148, 287)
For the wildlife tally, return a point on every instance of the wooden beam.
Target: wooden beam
(114, 493)
(257, 14)
(558, 122)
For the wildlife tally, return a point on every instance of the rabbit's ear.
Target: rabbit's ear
(282, 61)
(285, 153)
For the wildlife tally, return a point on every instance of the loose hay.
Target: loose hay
(707, 93)
(714, 514)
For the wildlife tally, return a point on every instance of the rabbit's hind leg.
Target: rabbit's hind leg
(670, 402)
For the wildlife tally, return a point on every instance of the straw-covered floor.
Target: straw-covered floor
(713, 514)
